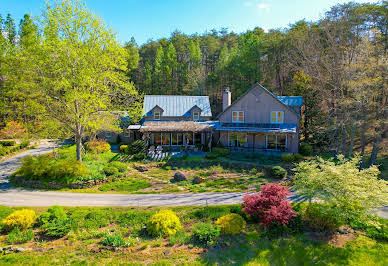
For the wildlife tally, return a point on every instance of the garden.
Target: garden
(265, 229)
(10, 147)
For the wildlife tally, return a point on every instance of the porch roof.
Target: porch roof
(251, 127)
(176, 126)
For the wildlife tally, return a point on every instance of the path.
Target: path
(10, 165)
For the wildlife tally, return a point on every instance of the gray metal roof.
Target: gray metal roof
(291, 100)
(174, 105)
(246, 127)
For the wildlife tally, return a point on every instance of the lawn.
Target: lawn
(83, 245)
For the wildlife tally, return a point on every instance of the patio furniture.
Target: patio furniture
(151, 149)
(159, 149)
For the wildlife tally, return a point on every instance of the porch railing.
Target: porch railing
(254, 149)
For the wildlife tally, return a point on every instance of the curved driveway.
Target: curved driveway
(20, 197)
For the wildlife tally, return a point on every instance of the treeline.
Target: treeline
(338, 64)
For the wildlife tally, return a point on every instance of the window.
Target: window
(238, 117)
(189, 139)
(157, 138)
(166, 137)
(237, 140)
(195, 116)
(198, 138)
(157, 115)
(277, 117)
(127, 133)
(274, 142)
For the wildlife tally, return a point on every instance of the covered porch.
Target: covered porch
(177, 135)
(259, 138)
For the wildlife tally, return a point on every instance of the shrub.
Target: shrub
(113, 240)
(121, 167)
(123, 148)
(24, 144)
(180, 238)
(209, 213)
(3, 151)
(221, 151)
(139, 156)
(375, 232)
(110, 170)
(211, 155)
(19, 237)
(13, 129)
(66, 169)
(271, 205)
(205, 233)
(278, 172)
(231, 224)
(97, 146)
(164, 223)
(7, 143)
(21, 219)
(55, 222)
(138, 146)
(306, 149)
(321, 218)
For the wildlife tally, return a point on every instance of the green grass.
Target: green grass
(125, 185)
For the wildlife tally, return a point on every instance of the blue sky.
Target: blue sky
(154, 19)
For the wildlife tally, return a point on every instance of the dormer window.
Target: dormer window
(195, 115)
(157, 115)
(238, 117)
(277, 117)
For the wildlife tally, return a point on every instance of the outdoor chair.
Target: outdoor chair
(151, 149)
(159, 149)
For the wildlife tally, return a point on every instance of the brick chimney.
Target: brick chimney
(226, 99)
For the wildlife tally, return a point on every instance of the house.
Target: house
(260, 121)
(256, 121)
(175, 121)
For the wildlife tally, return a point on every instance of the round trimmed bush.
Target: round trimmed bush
(306, 149)
(231, 224)
(21, 219)
(205, 233)
(278, 172)
(221, 151)
(119, 165)
(164, 223)
(321, 218)
(110, 170)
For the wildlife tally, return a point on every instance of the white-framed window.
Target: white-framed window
(238, 117)
(276, 142)
(277, 117)
(108, 134)
(195, 115)
(127, 133)
(157, 115)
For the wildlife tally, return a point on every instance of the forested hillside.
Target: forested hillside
(338, 64)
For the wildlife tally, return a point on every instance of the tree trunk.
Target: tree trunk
(375, 150)
(363, 130)
(351, 144)
(78, 143)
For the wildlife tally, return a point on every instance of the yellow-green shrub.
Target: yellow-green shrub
(22, 219)
(164, 223)
(231, 224)
(97, 146)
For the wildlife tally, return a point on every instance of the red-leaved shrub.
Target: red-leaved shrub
(271, 205)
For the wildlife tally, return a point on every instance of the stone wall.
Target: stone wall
(21, 182)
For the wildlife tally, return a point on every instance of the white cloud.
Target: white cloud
(263, 6)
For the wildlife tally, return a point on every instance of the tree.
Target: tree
(351, 192)
(80, 68)
(158, 68)
(10, 29)
(171, 67)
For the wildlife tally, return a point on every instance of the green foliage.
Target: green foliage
(7, 143)
(221, 151)
(139, 156)
(21, 219)
(121, 167)
(164, 223)
(211, 155)
(306, 149)
(350, 192)
(322, 218)
(97, 146)
(179, 238)
(111, 171)
(204, 233)
(376, 229)
(278, 172)
(19, 237)
(44, 166)
(291, 158)
(136, 147)
(55, 222)
(231, 224)
(123, 148)
(209, 213)
(125, 185)
(113, 240)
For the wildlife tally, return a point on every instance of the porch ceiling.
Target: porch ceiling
(175, 126)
